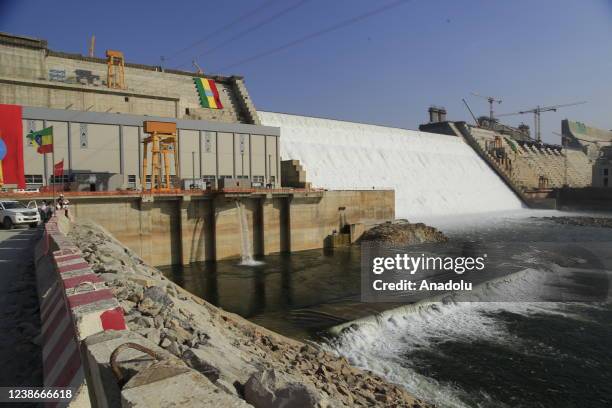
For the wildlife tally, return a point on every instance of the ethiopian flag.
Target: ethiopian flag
(43, 139)
(207, 90)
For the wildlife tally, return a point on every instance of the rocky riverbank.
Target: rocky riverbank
(242, 359)
(401, 233)
(601, 222)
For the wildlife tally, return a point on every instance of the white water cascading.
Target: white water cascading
(246, 249)
(432, 174)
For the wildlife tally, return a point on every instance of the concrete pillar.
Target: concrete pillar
(285, 224)
(271, 209)
(258, 227)
(146, 228)
(197, 230)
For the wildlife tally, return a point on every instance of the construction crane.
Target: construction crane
(536, 115)
(199, 69)
(491, 101)
(470, 110)
(92, 46)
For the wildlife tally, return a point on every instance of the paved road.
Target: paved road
(20, 351)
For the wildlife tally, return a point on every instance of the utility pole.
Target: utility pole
(193, 169)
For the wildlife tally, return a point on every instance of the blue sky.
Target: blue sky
(385, 69)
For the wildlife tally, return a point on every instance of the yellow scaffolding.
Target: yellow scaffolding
(115, 77)
(163, 140)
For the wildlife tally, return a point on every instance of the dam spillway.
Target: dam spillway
(431, 174)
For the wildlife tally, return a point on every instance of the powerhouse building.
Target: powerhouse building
(97, 107)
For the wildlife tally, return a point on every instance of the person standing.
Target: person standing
(42, 210)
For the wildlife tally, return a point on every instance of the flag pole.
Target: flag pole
(53, 167)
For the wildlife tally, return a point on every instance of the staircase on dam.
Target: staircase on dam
(532, 166)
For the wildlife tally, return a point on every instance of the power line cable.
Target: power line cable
(290, 44)
(315, 34)
(223, 28)
(252, 28)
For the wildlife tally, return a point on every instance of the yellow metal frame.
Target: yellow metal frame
(163, 145)
(115, 77)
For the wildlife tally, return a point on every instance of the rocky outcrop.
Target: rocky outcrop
(402, 232)
(240, 358)
(601, 222)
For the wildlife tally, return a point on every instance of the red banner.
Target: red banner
(11, 131)
(58, 169)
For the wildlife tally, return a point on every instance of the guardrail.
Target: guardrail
(74, 304)
(134, 193)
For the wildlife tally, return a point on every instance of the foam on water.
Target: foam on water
(431, 174)
(380, 343)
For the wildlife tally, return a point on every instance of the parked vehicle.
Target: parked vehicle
(15, 213)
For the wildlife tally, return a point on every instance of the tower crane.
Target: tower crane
(536, 115)
(491, 100)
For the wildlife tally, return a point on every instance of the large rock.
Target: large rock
(271, 389)
(402, 232)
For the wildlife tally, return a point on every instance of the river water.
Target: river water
(489, 353)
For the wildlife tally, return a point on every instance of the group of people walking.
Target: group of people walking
(47, 208)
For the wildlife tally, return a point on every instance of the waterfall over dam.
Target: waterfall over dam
(431, 174)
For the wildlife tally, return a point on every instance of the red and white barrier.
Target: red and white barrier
(74, 303)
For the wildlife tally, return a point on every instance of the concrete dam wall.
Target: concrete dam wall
(431, 174)
(183, 228)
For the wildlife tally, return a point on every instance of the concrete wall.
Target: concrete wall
(185, 229)
(26, 78)
(313, 219)
(108, 143)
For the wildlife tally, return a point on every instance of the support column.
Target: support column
(146, 228)
(197, 230)
(272, 225)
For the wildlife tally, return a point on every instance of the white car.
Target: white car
(15, 213)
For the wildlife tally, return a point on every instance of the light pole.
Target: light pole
(270, 170)
(192, 169)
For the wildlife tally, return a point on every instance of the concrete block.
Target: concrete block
(187, 389)
(356, 231)
(97, 350)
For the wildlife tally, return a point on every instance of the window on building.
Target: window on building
(605, 171)
(131, 181)
(226, 177)
(61, 179)
(33, 178)
(272, 179)
(258, 179)
(244, 177)
(173, 179)
(209, 180)
(605, 182)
